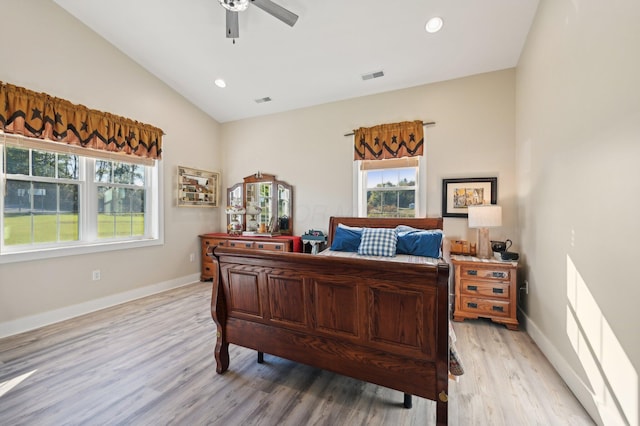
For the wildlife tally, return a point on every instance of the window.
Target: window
(41, 197)
(56, 199)
(120, 200)
(389, 188)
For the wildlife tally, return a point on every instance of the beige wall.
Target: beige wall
(47, 50)
(578, 148)
(560, 133)
(473, 137)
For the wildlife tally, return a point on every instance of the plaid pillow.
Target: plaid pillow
(378, 242)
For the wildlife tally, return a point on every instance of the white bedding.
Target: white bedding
(401, 258)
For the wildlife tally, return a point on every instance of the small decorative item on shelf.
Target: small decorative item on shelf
(235, 224)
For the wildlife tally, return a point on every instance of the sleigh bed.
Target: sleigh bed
(384, 322)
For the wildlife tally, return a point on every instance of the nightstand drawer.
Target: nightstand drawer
(489, 307)
(485, 289)
(484, 272)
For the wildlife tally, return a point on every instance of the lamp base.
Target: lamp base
(484, 244)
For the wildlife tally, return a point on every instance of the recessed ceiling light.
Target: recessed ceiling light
(434, 24)
(220, 82)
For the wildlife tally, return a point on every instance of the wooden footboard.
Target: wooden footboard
(383, 323)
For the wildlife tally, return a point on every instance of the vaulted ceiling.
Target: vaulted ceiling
(321, 59)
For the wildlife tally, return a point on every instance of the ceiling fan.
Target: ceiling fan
(235, 6)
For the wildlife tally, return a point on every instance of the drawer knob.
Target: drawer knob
(472, 287)
(498, 308)
(498, 290)
(472, 305)
(278, 247)
(499, 275)
(260, 246)
(247, 245)
(472, 272)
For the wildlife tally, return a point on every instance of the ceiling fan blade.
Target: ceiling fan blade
(277, 11)
(232, 25)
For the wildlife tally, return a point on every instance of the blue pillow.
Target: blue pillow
(346, 238)
(419, 242)
(378, 242)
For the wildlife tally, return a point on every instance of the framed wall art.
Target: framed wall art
(458, 194)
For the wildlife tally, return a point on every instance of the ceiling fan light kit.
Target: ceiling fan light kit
(234, 6)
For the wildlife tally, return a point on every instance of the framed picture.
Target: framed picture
(458, 194)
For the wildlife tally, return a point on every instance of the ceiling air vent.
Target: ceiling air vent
(262, 100)
(373, 75)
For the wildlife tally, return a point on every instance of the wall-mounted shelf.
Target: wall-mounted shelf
(197, 188)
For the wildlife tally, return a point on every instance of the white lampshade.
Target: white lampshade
(485, 216)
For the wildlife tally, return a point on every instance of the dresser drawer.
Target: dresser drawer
(270, 246)
(207, 271)
(238, 244)
(484, 272)
(210, 242)
(489, 307)
(485, 289)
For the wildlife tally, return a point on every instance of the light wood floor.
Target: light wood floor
(150, 362)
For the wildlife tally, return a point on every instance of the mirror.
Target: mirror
(267, 203)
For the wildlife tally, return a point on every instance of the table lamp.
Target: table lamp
(484, 217)
(235, 224)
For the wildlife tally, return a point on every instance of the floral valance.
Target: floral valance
(397, 140)
(41, 116)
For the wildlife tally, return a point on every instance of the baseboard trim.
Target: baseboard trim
(31, 322)
(575, 384)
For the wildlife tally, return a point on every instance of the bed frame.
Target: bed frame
(380, 322)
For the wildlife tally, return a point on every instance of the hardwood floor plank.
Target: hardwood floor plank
(150, 362)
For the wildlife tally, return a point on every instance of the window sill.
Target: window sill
(48, 253)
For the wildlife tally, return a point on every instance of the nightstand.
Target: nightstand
(485, 288)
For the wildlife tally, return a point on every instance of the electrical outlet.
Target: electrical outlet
(192, 257)
(96, 275)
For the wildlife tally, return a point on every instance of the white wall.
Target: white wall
(578, 149)
(47, 50)
(473, 136)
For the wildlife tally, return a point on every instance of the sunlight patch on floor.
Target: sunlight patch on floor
(12, 383)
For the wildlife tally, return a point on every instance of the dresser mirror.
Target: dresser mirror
(267, 204)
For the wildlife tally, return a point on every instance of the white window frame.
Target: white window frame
(360, 184)
(87, 205)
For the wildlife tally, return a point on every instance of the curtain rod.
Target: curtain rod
(429, 123)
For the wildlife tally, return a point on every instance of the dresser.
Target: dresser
(485, 288)
(207, 241)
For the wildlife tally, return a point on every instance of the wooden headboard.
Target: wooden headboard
(382, 222)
